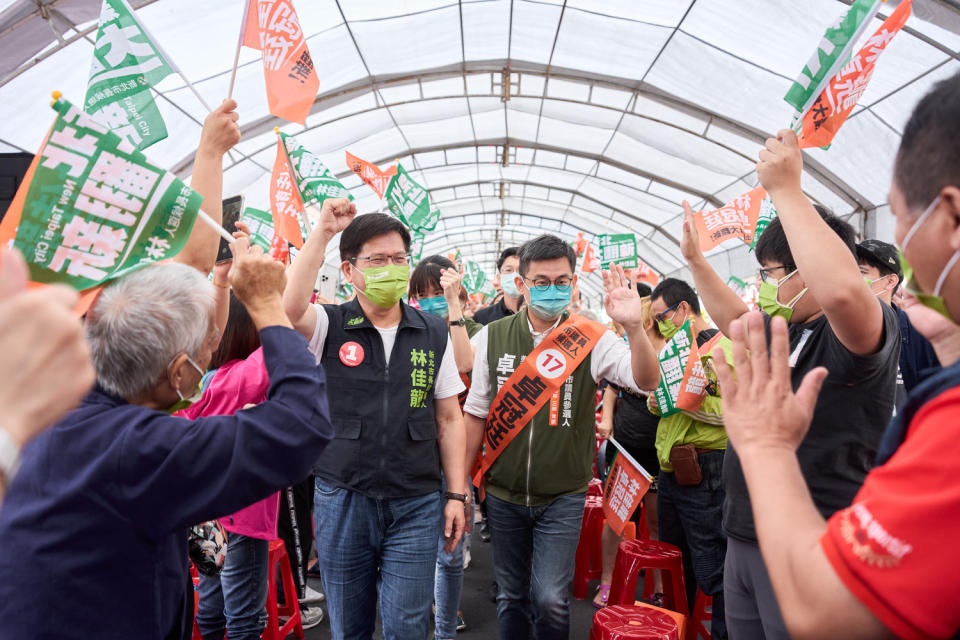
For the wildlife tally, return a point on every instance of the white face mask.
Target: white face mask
(201, 372)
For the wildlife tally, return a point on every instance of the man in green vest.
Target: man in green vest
(537, 463)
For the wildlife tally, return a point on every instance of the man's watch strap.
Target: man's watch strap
(458, 323)
(462, 497)
(9, 457)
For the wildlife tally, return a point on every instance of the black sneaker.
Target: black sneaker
(461, 623)
(484, 531)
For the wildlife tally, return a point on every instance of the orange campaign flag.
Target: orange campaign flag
(285, 202)
(837, 100)
(590, 260)
(627, 483)
(371, 173)
(580, 244)
(272, 26)
(643, 273)
(736, 219)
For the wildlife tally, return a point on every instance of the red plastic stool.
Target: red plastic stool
(595, 488)
(589, 563)
(273, 631)
(633, 623)
(700, 615)
(634, 555)
(195, 578)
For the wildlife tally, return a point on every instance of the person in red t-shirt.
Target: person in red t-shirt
(885, 565)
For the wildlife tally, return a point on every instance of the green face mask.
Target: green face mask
(667, 328)
(769, 300)
(386, 285)
(932, 301)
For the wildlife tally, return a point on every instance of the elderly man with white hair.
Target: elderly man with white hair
(94, 525)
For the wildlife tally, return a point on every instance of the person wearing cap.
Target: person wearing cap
(880, 266)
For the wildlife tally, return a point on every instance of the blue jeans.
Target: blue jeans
(690, 518)
(237, 598)
(534, 551)
(365, 544)
(448, 585)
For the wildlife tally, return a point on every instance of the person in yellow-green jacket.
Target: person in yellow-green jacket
(690, 448)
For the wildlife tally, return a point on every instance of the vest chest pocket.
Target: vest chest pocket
(422, 456)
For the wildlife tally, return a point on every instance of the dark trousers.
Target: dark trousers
(295, 528)
(690, 517)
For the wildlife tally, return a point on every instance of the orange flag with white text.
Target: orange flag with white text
(737, 219)
(371, 173)
(830, 110)
(285, 202)
(272, 26)
(590, 260)
(627, 483)
(643, 273)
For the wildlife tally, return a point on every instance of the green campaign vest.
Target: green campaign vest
(560, 461)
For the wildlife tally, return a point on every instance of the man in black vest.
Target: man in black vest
(393, 402)
(511, 299)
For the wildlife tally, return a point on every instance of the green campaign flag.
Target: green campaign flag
(126, 65)
(673, 361)
(832, 52)
(96, 209)
(261, 227)
(488, 290)
(416, 245)
(407, 200)
(618, 248)
(736, 285)
(767, 213)
(315, 181)
(473, 277)
(429, 223)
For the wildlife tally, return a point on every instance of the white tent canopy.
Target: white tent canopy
(520, 116)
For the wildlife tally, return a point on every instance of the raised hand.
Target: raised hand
(781, 163)
(257, 279)
(690, 239)
(621, 302)
(450, 283)
(760, 410)
(220, 130)
(335, 215)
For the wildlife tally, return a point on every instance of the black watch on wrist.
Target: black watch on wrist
(458, 323)
(462, 497)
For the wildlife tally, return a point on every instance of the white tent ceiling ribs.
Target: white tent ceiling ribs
(617, 109)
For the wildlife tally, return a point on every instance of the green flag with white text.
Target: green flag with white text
(832, 52)
(767, 213)
(96, 209)
(261, 227)
(473, 277)
(416, 245)
(407, 200)
(315, 181)
(618, 248)
(126, 65)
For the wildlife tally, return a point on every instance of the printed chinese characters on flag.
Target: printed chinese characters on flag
(736, 219)
(835, 103)
(371, 173)
(91, 207)
(683, 380)
(315, 181)
(643, 273)
(285, 203)
(272, 26)
(626, 485)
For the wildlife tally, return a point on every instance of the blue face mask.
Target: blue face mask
(508, 285)
(549, 304)
(436, 306)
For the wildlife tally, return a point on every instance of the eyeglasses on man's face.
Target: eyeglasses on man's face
(660, 317)
(380, 260)
(775, 274)
(563, 283)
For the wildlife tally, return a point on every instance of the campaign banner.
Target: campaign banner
(627, 483)
(371, 173)
(643, 273)
(618, 248)
(285, 203)
(92, 208)
(473, 277)
(315, 181)
(407, 200)
(735, 220)
(683, 380)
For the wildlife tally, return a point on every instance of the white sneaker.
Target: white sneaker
(466, 558)
(311, 596)
(310, 617)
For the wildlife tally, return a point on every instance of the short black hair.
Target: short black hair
(674, 291)
(929, 158)
(368, 226)
(773, 246)
(643, 289)
(545, 247)
(509, 252)
(427, 274)
(240, 336)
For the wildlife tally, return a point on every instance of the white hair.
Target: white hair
(143, 320)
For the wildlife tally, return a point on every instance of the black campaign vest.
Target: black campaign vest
(385, 431)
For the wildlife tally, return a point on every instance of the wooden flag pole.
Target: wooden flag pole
(236, 61)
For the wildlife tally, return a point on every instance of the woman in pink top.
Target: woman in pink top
(236, 599)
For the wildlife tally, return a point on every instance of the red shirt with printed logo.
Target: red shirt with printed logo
(897, 547)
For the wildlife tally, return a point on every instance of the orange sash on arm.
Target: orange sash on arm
(532, 384)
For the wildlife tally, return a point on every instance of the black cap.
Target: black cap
(881, 255)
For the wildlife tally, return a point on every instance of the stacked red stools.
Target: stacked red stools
(633, 623)
(697, 628)
(635, 555)
(595, 488)
(589, 564)
(277, 559)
